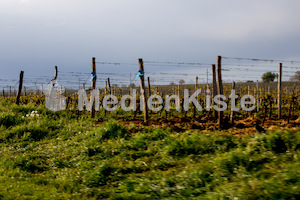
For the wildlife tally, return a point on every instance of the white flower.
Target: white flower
(27, 115)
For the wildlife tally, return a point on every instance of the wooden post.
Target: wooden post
(220, 89)
(109, 87)
(149, 89)
(20, 87)
(215, 90)
(93, 86)
(55, 73)
(149, 86)
(105, 88)
(35, 89)
(130, 90)
(3, 93)
(257, 97)
(105, 93)
(196, 87)
(291, 103)
(270, 107)
(231, 111)
(9, 91)
(143, 93)
(249, 112)
(24, 92)
(83, 103)
(279, 90)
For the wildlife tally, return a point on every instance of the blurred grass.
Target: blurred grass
(57, 156)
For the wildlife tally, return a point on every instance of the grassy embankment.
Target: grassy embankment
(57, 156)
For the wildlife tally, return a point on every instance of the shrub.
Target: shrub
(201, 144)
(268, 77)
(9, 119)
(113, 130)
(28, 132)
(23, 109)
(100, 176)
(31, 164)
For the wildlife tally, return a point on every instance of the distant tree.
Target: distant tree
(172, 83)
(181, 82)
(268, 77)
(296, 77)
(131, 85)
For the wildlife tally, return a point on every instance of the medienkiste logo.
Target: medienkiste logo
(55, 101)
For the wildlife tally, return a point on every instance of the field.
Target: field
(178, 155)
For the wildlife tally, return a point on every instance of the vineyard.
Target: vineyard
(266, 110)
(145, 154)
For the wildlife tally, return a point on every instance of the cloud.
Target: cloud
(55, 25)
(23, 2)
(193, 30)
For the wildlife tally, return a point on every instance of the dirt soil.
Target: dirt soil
(241, 127)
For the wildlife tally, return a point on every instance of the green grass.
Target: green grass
(57, 156)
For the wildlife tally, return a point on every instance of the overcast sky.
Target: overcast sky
(39, 34)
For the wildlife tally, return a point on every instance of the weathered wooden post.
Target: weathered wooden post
(149, 86)
(249, 112)
(109, 87)
(105, 93)
(24, 91)
(279, 90)
(35, 88)
(291, 103)
(55, 73)
(149, 89)
(215, 90)
(20, 87)
(143, 93)
(257, 97)
(93, 86)
(220, 89)
(196, 87)
(231, 111)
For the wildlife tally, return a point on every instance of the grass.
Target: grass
(57, 156)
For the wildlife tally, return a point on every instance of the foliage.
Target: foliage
(268, 77)
(131, 85)
(181, 82)
(56, 156)
(8, 119)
